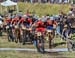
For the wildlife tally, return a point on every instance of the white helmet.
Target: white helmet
(51, 18)
(25, 16)
(0, 17)
(39, 18)
(70, 12)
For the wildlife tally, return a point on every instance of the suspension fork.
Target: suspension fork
(17, 37)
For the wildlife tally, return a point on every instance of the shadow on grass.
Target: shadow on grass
(46, 54)
(57, 44)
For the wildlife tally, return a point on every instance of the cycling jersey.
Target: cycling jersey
(26, 22)
(50, 24)
(14, 20)
(8, 21)
(21, 20)
(40, 26)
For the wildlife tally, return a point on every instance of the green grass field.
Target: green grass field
(58, 43)
(25, 54)
(42, 9)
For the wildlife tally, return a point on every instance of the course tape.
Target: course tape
(34, 50)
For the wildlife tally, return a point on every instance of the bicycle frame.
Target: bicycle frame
(40, 42)
(50, 37)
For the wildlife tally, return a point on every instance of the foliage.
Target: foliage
(43, 9)
(73, 36)
(24, 54)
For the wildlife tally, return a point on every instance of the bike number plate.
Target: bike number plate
(49, 30)
(39, 34)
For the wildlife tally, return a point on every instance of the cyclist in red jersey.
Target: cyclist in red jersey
(39, 39)
(21, 20)
(39, 26)
(50, 24)
(7, 20)
(14, 20)
(27, 22)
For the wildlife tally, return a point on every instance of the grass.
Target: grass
(42, 9)
(24, 54)
(58, 43)
(5, 44)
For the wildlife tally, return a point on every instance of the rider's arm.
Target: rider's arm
(12, 21)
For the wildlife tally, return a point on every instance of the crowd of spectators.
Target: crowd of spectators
(43, 1)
